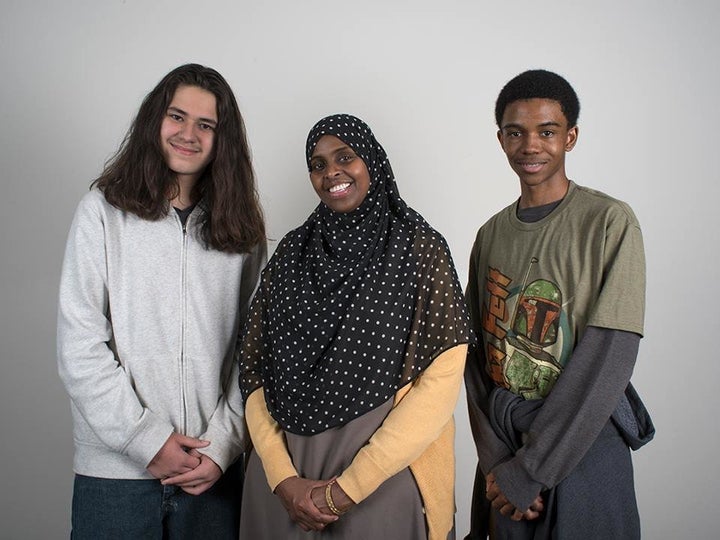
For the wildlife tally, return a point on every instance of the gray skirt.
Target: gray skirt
(393, 511)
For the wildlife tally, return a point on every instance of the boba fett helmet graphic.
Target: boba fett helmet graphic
(537, 314)
(530, 370)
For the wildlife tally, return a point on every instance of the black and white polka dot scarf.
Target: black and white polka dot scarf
(351, 307)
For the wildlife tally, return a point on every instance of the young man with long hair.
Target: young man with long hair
(163, 256)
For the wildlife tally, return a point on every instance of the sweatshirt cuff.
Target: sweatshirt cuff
(223, 450)
(516, 484)
(151, 435)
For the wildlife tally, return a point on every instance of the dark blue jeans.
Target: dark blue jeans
(145, 509)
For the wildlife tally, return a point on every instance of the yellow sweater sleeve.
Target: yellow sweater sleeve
(411, 426)
(268, 440)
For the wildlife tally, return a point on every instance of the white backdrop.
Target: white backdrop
(424, 75)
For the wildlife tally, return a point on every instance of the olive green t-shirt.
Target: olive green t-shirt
(542, 283)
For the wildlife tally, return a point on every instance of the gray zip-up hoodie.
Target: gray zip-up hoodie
(148, 322)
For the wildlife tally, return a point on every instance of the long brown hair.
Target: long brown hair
(137, 179)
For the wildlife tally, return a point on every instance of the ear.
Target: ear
(572, 137)
(500, 138)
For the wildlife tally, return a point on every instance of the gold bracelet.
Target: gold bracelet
(329, 499)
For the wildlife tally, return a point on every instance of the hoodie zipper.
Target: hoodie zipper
(183, 326)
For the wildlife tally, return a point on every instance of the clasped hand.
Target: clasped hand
(178, 463)
(500, 503)
(305, 502)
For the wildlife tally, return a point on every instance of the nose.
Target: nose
(187, 131)
(331, 169)
(531, 144)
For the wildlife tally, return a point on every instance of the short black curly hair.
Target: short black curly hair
(539, 83)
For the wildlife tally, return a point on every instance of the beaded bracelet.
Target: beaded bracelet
(329, 499)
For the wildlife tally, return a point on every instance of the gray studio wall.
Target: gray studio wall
(424, 75)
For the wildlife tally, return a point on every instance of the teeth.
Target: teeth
(339, 187)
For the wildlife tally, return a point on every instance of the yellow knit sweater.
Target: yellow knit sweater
(419, 432)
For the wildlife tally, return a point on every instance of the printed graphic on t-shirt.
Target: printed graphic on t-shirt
(527, 336)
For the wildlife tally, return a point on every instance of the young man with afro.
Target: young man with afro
(556, 294)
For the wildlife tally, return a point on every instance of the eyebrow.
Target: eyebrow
(334, 152)
(544, 124)
(201, 119)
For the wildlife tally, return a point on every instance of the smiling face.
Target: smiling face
(187, 132)
(535, 137)
(339, 176)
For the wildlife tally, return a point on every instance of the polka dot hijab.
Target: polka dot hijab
(352, 306)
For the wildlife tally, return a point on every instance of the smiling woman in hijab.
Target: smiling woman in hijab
(353, 360)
